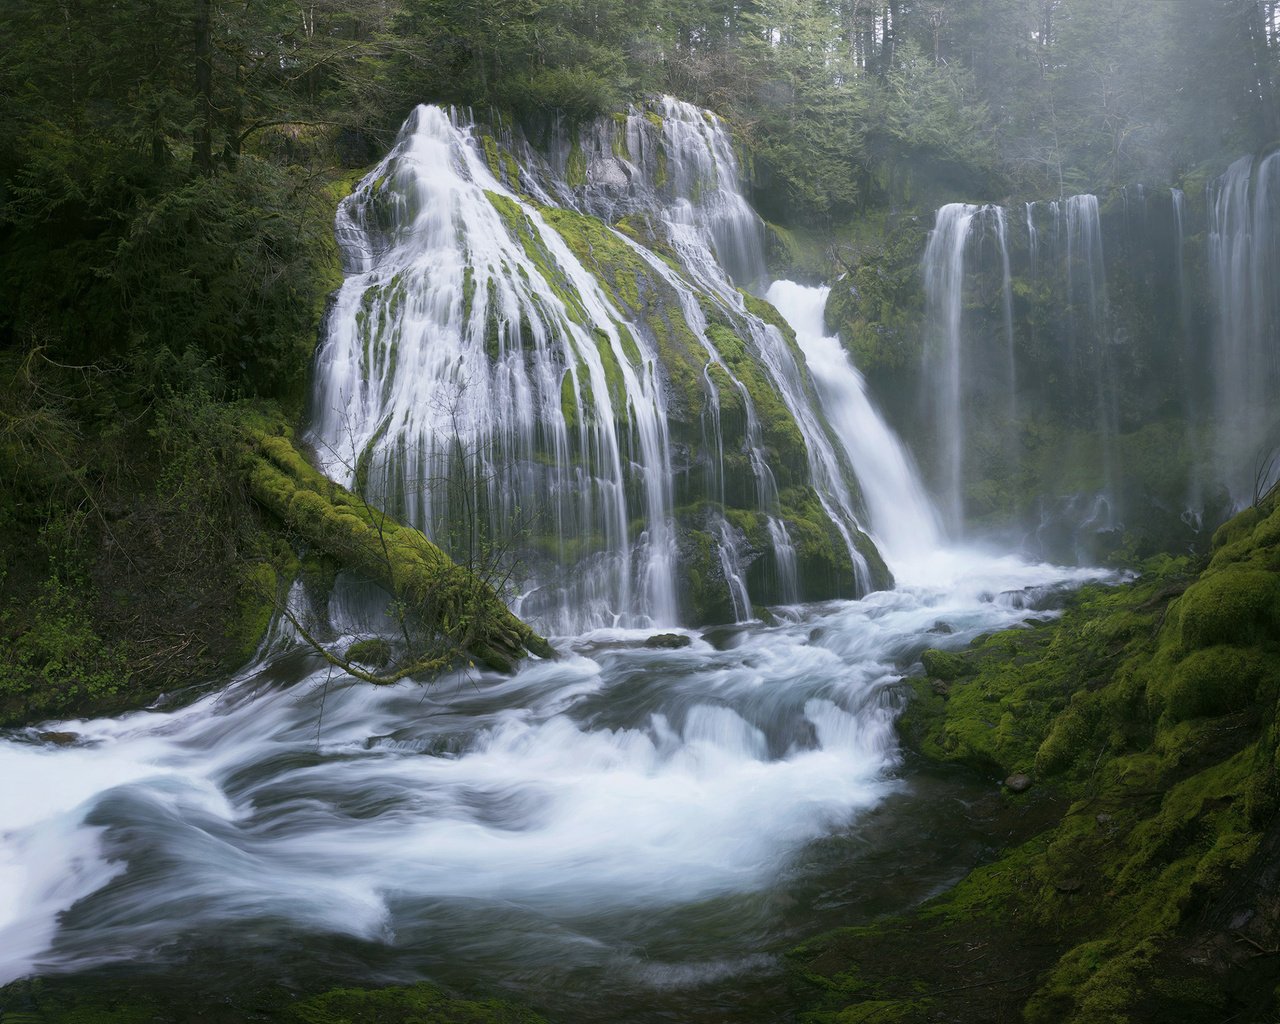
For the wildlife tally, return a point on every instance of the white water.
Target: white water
(903, 523)
(466, 825)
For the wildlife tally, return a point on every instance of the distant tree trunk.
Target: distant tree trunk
(1260, 28)
(202, 153)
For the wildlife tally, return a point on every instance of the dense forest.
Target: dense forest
(1088, 738)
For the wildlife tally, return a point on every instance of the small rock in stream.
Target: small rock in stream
(670, 640)
(1018, 783)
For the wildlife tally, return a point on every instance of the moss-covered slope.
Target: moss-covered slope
(1150, 710)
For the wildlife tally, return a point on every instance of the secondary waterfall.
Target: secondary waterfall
(1057, 375)
(1244, 260)
(903, 521)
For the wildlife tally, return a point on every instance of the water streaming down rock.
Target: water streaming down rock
(454, 372)
(478, 370)
(903, 521)
(972, 355)
(1244, 261)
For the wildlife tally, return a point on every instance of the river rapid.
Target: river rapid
(625, 833)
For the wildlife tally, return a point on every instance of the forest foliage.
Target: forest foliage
(164, 166)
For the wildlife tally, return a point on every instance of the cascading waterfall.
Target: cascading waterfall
(944, 292)
(1244, 259)
(971, 362)
(476, 370)
(1112, 375)
(1090, 330)
(902, 519)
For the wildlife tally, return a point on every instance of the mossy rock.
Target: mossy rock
(1232, 606)
(368, 541)
(945, 665)
(1212, 681)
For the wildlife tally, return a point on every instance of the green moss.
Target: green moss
(569, 402)
(256, 605)
(1213, 681)
(945, 665)
(1240, 606)
(374, 651)
(576, 168)
(491, 155)
(417, 1004)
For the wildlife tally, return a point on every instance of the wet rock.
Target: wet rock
(668, 640)
(1018, 783)
(58, 739)
(1102, 819)
(942, 628)
(940, 688)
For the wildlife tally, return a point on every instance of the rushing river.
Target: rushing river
(625, 827)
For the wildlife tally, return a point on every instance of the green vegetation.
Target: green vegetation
(132, 560)
(457, 609)
(417, 1004)
(1150, 711)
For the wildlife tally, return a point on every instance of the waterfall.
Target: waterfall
(1244, 258)
(903, 522)
(480, 379)
(1089, 336)
(944, 268)
(458, 384)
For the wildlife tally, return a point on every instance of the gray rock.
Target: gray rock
(669, 640)
(1018, 783)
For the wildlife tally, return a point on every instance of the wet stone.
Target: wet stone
(1018, 783)
(668, 640)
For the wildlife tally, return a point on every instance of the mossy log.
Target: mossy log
(453, 602)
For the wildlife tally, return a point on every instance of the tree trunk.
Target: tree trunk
(202, 144)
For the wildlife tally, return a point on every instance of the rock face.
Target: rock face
(546, 351)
